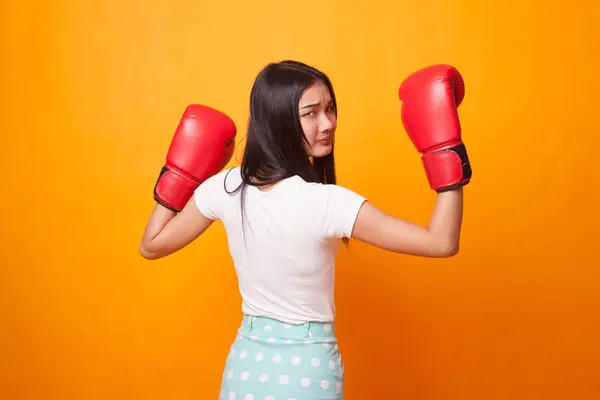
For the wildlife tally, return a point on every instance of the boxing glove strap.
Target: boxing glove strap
(173, 189)
(447, 169)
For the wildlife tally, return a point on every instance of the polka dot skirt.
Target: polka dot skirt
(271, 360)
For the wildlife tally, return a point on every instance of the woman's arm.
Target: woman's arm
(430, 98)
(439, 239)
(167, 232)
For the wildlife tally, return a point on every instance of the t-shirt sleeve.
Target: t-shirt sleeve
(334, 209)
(209, 196)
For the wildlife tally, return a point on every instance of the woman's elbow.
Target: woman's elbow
(447, 250)
(147, 254)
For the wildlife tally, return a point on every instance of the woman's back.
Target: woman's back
(285, 245)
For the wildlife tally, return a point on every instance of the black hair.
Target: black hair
(275, 140)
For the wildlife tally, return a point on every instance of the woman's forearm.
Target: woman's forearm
(168, 232)
(446, 220)
(159, 218)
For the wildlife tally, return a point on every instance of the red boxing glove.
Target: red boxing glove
(203, 144)
(430, 98)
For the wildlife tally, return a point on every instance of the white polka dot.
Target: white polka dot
(287, 325)
(308, 342)
(295, 360)
(331, 364)
(263, 378)
(254, 338)
(315, 362)
(272, 340)
(249, 396)
(243, 355)
(324, 385)
(269, 397)
(259, 357)
(276, 358)
(326, 345)
(245, 375)
(305, 382)
(289, 341)
(231, 396)
(327, 328)
(291, 398)
(268, 328)
(230, 374)
(310, 334)
(338, 387)
(284, 379)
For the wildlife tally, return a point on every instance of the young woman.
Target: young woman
(285, 216)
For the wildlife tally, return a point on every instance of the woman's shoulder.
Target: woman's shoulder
(228, 174)
(227, 178)
(330, 192)
(322, 187)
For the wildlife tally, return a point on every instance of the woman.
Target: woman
(285, 217)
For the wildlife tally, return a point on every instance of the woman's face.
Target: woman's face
(318, 119)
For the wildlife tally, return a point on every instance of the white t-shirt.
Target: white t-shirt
(285, 254)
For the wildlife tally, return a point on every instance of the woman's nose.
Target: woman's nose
(326, 123)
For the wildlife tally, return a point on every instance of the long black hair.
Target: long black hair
(275, 139)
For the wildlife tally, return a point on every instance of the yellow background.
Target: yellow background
(92, 92)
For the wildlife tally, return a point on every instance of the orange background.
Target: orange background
(92, 92)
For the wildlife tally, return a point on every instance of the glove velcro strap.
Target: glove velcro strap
(174, 189)
(447, 169)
